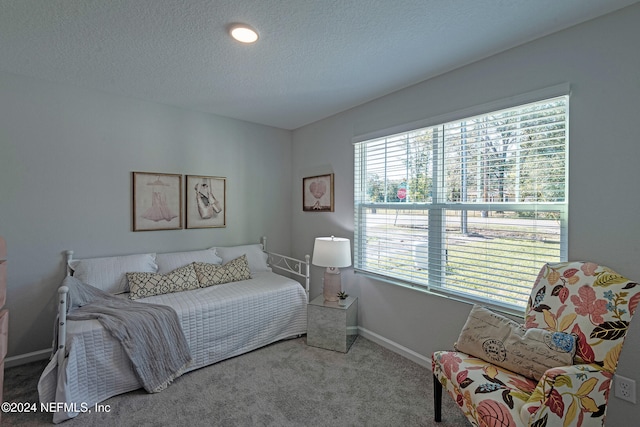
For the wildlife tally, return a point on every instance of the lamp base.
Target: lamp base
(332, 284)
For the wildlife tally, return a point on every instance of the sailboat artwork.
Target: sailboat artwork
(156, 201)
(206, 203)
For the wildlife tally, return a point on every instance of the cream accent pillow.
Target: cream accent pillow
(109, 274)
(143, 285)
(505, 343)
(233, 271)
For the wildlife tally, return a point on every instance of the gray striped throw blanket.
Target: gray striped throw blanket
(149, 333)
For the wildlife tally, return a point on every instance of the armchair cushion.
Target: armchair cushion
(487, 394)
(505, 343)
(568, 395)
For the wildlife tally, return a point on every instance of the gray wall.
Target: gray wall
(601, 61)
(66, 157)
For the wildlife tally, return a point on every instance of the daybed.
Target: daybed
(219, 322)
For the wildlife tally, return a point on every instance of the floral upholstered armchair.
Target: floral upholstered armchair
(590, 304)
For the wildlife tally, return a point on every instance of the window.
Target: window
(470, 208)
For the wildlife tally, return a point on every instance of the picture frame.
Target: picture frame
(206, 201)
(317, 193)
(157, 201)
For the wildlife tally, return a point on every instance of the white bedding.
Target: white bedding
(218, 322)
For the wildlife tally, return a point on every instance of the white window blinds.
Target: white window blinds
(471, 208)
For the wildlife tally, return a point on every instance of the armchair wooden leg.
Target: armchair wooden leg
(437, 400)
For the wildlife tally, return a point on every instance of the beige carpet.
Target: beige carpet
(285, 384)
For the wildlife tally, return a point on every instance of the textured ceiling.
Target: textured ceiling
(314, 58)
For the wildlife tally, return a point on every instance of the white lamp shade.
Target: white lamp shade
(331, 252)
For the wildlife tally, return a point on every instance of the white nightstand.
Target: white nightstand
(332, 326)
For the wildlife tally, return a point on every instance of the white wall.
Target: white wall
(601, 61)
(66, 157)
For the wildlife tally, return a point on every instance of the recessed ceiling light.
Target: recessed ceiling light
(243, 33)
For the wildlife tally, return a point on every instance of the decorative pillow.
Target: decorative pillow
(256, 258)
(233, 271)
(109, 274)
(505, 343)
(145, 285)
(171, 261)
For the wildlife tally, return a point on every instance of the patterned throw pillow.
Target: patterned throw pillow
(505, 343)
(212, 274)
(143, 285)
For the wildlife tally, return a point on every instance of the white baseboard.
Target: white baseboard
(418, 358)
(23, 359)
(395, 347)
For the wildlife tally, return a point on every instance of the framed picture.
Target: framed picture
(317, 193)
(157, 201)
(206, 201)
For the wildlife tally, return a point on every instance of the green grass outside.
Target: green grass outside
(498, 268)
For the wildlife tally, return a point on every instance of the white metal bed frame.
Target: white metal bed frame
(281, 262)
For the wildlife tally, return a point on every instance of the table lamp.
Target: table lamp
(333, 253)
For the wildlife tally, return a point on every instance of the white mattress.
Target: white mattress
(218, 322)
